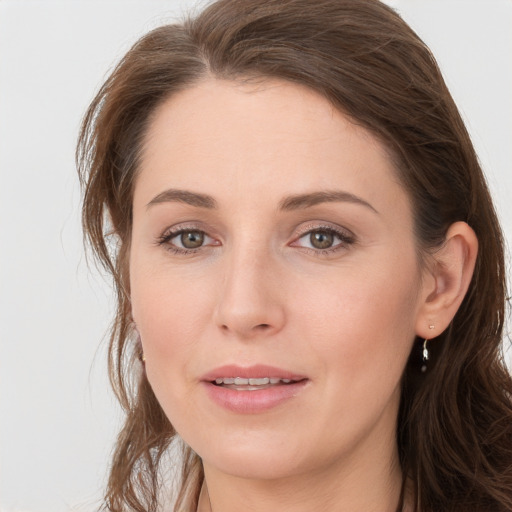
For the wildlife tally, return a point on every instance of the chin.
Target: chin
(263, 456)
(254, 465)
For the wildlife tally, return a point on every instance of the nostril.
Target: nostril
(258, 329)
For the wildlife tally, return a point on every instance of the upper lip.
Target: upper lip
(258, 371)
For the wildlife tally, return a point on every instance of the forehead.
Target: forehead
(222, 136)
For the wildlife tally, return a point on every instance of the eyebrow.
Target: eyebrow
(301, 201)
(290, 203)
(184, 196)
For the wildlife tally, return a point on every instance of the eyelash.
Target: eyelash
(346, 239)
(166, 238)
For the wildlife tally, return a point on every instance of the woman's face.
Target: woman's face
(272, 240)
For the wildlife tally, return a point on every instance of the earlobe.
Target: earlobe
(450, 276)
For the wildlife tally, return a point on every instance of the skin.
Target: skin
(259, 292)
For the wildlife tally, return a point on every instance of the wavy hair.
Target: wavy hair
(455, 423)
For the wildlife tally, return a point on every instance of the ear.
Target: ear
(446, 280)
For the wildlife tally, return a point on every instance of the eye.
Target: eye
(324, 239)
(185, 241)
(189, 239)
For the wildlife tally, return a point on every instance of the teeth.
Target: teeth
(259, 382)
(240, 381)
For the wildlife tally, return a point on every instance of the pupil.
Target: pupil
(192, 239)
(321, 239)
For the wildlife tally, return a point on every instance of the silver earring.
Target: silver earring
(425, 351)
(425, 357)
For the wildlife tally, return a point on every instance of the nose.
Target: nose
(250, 296)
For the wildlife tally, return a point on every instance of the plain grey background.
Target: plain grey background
(58, 418)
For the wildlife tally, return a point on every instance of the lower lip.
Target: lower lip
(252, 402)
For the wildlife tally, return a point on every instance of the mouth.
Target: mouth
(254, 389)
(253, 384)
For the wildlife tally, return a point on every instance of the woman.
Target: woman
(309, 268)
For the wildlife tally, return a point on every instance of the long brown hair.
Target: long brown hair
(455, 422)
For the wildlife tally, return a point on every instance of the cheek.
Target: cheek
(169, 311)
(359, 336)
(363, 325)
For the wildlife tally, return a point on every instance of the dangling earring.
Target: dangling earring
(425, 357)
(425, 352)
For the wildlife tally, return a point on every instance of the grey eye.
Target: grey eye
(321, 239)
(192, 239)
